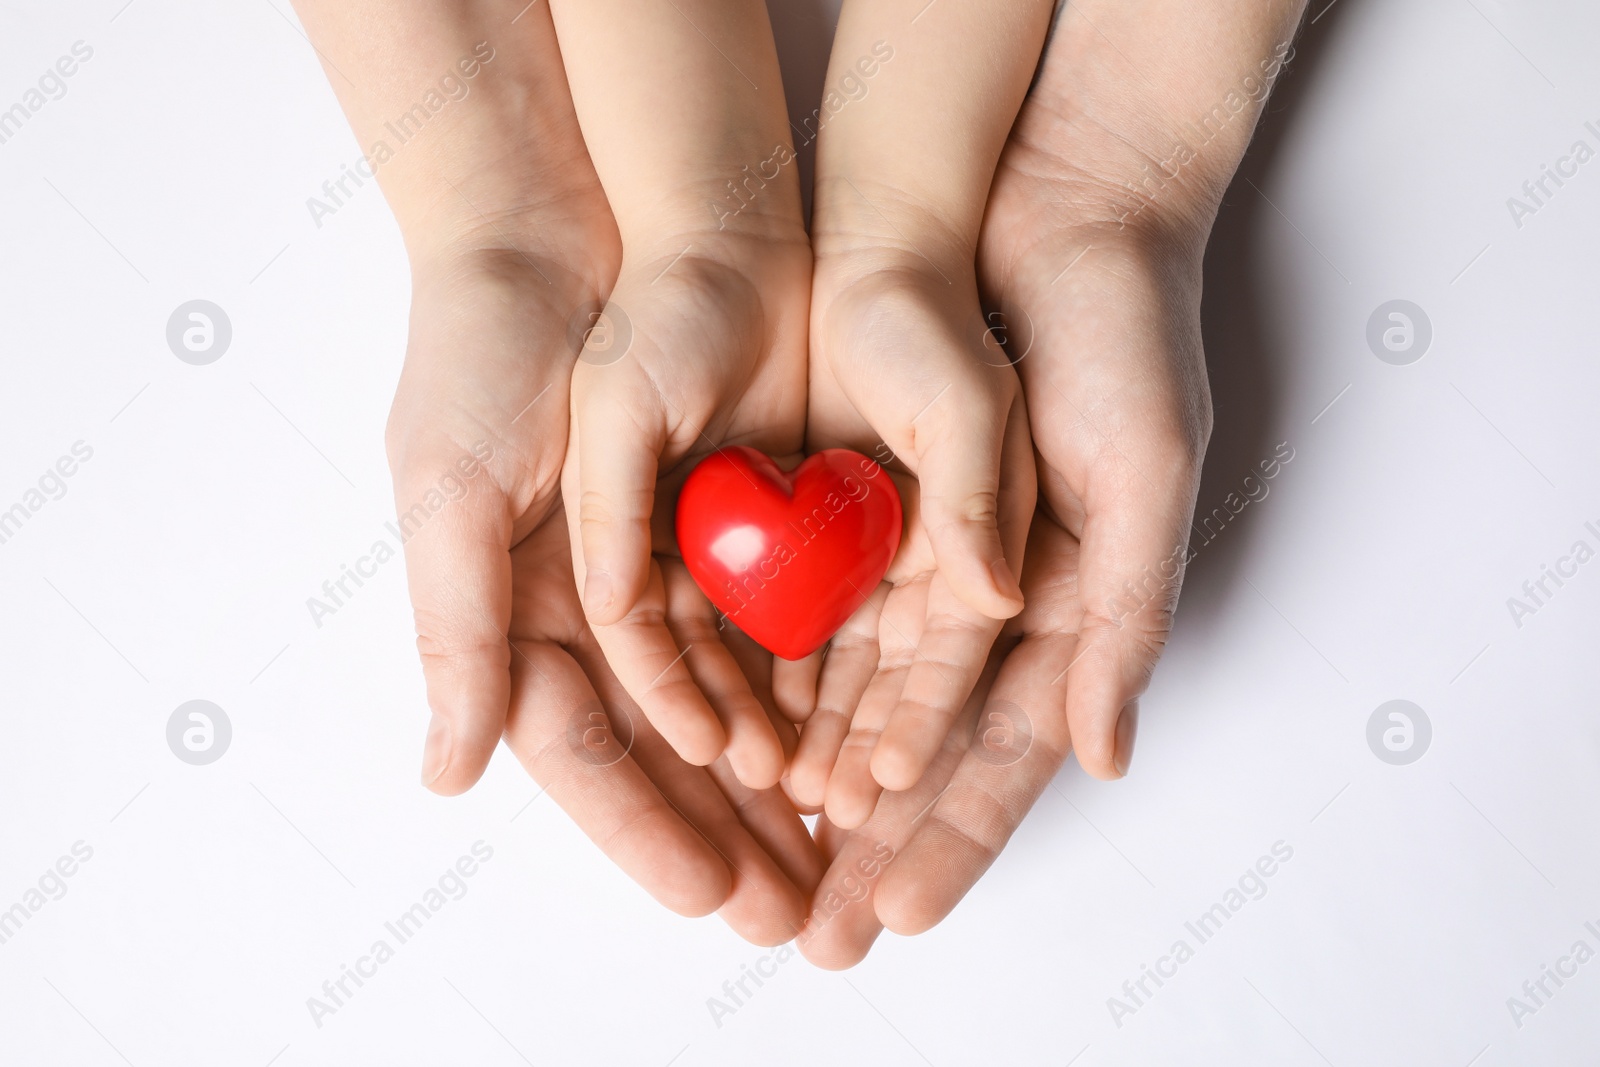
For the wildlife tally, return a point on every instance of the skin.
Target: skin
(695, 838)
(1119, 450)
(900, 370)
(1115, 383)
(717, 303)
(510, 236)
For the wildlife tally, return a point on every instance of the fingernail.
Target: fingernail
(1127, 732)
(597, 593)
(1005, 581)
(436, 750)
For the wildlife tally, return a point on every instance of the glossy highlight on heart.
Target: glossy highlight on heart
(788, 557)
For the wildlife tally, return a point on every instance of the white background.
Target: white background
(177, 565)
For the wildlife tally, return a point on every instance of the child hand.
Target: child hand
(706, 343)
(902, 362)
(714, 360)
(894, 679)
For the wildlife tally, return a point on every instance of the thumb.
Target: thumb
(965, 503)
(1132, 557)
(615, 487)
(456, 531)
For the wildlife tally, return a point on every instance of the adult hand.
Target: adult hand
(509, 238)
(1092, 248)
(512, 242)
(695, 838)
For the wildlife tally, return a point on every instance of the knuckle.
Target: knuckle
(860, 739)
(1200, 423)
(1126, 651)
(1139, 627)
(918, 717)
(595, 510)
(695, 632)
(981, 508)
(673, 683)
(444, 644)
(1181, 440)
(825, 716)
(607, 507)
(960, 628)
(852, 641)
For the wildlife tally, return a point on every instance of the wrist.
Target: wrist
(563, 244)
(861, 227)
(1137, 133)
(722, 207)
(760, 248)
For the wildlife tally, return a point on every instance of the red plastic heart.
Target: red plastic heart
(788, 557)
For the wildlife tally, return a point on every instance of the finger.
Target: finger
(794, 685)
(645, 657)
(950, 657)
(1019, 485)
(956, 640)
(618, 437)
(776, 827)
(800, 806)
(756, 664)
(844, 918)
(851, 659)
(764, 907)
(1134, 546)
(458, 568)
(584, 754)
(762, 903)
(959, 469)
(993, 786)
(852, 790)
(752, 747)
(842, 924)
(830, 838)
